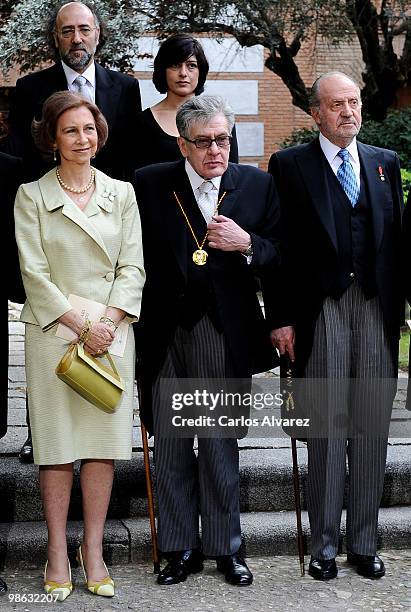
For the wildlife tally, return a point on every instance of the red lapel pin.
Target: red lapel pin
(381, 173)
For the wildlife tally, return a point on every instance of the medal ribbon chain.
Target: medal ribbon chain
(199, 246)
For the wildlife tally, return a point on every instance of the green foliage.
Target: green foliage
(393, 133)
(404, 350)
(299, 136)
(406, 182)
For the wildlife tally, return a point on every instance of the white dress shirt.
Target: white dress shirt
(89, 74)
(330, 151)
(196, 180)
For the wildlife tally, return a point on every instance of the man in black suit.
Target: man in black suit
(208, 226)
(339, 312)
(75, 30)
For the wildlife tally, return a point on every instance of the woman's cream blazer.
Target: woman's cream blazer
(96, 253)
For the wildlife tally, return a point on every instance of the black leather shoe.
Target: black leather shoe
(3, 587)
(26, 451)
(180, 564)
(235, 569)
(322, 569)
(370, 566)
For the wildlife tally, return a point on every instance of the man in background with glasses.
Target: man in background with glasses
(75, 31)
(208, 227)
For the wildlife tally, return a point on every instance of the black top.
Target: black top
(154, 146)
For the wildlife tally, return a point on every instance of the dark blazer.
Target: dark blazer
(251, 201)
(10, 170)
(117, 96)
(10, 180)
(311, 251)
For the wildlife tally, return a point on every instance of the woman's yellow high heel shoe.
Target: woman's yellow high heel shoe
(60, 589)
(104, 587)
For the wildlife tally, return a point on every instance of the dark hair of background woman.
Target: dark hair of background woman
(175, 50)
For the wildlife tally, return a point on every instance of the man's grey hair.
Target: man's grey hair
(314, 98)
(202, 109)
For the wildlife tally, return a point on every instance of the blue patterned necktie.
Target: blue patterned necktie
(347, 178)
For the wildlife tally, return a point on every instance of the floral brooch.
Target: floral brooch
(109, 194)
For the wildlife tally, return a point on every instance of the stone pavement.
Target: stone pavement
(277, 586)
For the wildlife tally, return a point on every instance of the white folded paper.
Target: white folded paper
(93, 311)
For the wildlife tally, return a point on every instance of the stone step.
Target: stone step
(265, 484)
(128, 540)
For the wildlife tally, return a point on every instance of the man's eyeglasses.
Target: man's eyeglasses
(69, 31)
(223, 142)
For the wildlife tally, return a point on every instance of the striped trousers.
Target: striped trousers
(189, 485)
(349, 342)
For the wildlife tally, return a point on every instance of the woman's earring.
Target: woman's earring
(54, 155)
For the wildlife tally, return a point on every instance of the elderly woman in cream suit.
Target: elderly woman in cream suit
(78, 232)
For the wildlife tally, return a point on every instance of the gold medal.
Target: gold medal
(200, 257)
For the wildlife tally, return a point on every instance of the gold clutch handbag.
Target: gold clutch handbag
(97, 383)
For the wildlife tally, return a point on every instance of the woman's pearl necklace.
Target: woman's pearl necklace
(75, 189)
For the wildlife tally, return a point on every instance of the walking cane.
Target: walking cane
(297, 501)
(287, 376)
(150, 497)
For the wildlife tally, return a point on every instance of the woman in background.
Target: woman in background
(180, 71)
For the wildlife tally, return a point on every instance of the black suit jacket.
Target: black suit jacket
(10, 180)
(251, 201)
(117, 96)
(10, 170)
(311, 248)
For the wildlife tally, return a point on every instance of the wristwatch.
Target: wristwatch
(249, 250)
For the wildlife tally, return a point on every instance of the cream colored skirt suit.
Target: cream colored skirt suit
(97, 254)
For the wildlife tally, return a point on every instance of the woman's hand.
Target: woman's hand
(101, 335)
(99, 339)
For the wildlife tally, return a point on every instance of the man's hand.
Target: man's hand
(226, 235)
(283, 339)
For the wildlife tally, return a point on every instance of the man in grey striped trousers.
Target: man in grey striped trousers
(208, 226)
(339, 315)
